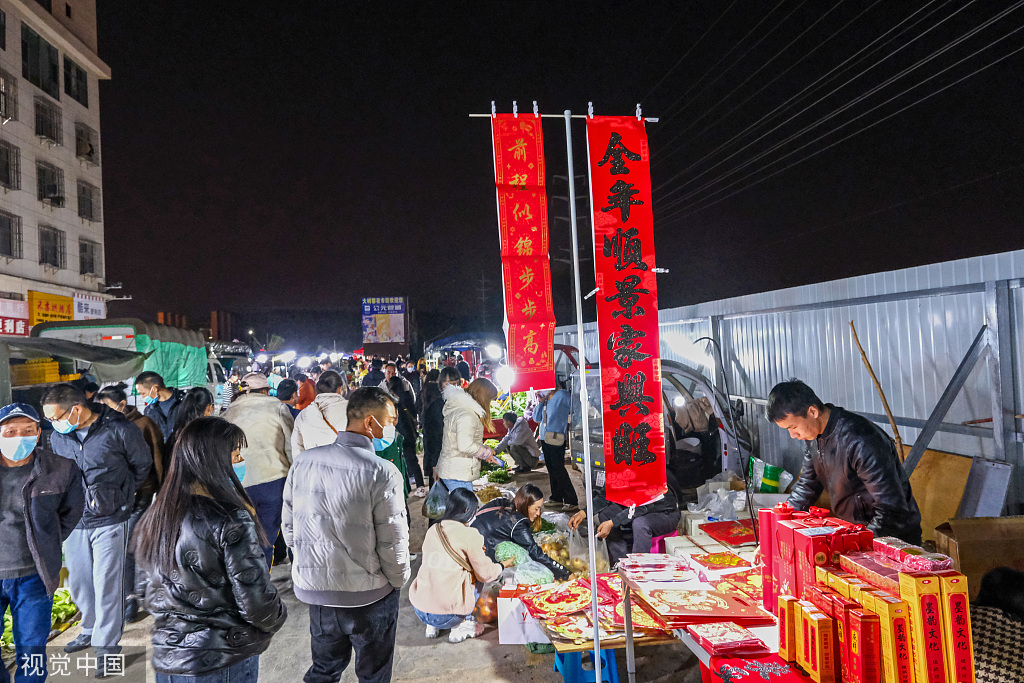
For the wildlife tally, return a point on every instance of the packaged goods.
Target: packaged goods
(894, 620)
(928, 562)
(837, 576)
(766, 531)
(787, 627)
(802, 610)
(723, 560)
(579, 553)
(822, 657)
(922, 591)
(724, 637)
(820, 598)
(812, 547)
(956, 625)
(676, 608)
(889, 546)
(732, 533)
(876, 569)
(841, 613)
(750, 582)
(784, 560)
(864, 635)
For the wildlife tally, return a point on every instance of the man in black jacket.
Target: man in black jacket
(161, 403)
(631, 529)
(856, 463)
(41, 501)
(115, 460)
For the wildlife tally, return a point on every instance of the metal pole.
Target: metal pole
(584, 399)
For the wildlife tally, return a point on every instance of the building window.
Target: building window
(39, 64)
(89, 202)
(52, 247)
(8, 97)
(10, 166)
(49, 123)
(89, 258)
(76, 83)
(67, 9)
(47, 5)
(87, 144)
(10, 235)
(3, 30)
(50, 184)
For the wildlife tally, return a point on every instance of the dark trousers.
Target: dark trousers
(645, 528)
(335, 631)
(133, 593)
(430, 457)
(412, 463)
(561, 486)
(30, 609)
(268, 499)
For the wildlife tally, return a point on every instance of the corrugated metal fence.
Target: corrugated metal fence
(915, 325)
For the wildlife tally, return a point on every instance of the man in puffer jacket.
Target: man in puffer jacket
(115, 460)
(322, 420)
(350, 542)
(268, 426)
(856, 463)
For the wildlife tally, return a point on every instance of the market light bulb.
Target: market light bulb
(304, 362)
(261, 359)
(287, 356)
(335, 357)
(493, 351)
(679, 401)
(505, 376)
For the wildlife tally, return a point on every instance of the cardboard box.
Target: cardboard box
(865, 647)
(894, 620)
(840, 612)
(956, 626)
(824, 648)
(787, 627)
(802, 610)
(837, 576)
(821, 598)
(980, 544)
(922, 591)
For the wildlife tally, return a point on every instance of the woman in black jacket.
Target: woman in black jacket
(200, 553)
(433, 416)
(501, 520)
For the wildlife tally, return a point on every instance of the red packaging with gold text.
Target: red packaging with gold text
(787, 611)
(801, 610)
(784, 559)
(894, 619)
(922, 591)
(821, 597)
(865, 651)
(822, 659)
(840, 611)
(956, 624)
(812, 547)
(766, 529)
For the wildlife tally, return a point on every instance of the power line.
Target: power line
(810, 88)
(838, 110)
(683, 213)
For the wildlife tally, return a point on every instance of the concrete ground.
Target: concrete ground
(417, 658)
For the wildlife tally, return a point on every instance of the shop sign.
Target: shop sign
(43, 308)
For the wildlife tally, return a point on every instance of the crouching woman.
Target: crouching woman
(443, 594)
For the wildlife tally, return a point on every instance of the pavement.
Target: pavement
(417, 658)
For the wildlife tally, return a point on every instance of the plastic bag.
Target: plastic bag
(555, 545)
(720, 505)
(436, 502)
(532, 573)
(765, 478)
(579, 553)
(486, 610)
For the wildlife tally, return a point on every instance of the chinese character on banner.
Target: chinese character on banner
(627, 309)
(523, 227)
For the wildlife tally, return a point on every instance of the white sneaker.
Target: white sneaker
(421, 492)
(467, 629)
(432, 632)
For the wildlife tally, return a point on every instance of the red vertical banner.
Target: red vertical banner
(526, 270)
(627, 309)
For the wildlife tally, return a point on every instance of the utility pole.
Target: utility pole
(483, 301)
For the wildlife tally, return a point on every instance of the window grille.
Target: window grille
(89, 202)
(10, 166)
(87, 144)
(89, 258)
(49, 124)
(52, 247)
(50, 184)
(10, 235)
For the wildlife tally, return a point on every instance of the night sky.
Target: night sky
(282, 161)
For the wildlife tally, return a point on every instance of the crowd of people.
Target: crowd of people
(174, 512)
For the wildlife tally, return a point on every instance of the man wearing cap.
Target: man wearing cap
(115, 461)
(41, 501)
(267, 424)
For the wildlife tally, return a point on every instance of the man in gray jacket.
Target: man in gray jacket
(115, 460)
(345, 520)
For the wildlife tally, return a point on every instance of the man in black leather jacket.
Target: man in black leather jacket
(856, 463)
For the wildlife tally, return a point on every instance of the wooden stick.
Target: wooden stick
(984, 420)
(878, 386)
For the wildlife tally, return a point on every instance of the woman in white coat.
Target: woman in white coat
(466, 413)
(319, 423)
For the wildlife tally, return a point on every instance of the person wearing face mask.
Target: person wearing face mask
(268, 427)
(41, 501)
(350, 542)
(433, 416)
(115, 461)
(161, 403)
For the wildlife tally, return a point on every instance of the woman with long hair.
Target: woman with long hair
(443, 594)
(433, 416)
(200, 554)
(467, 412)
(502, 520)
(198, 402)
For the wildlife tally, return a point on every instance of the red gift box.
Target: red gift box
(766, 532)
(812, 547)
(784, 557)
(864, 647)
(875, 569)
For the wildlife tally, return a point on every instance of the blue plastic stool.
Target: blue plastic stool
(570, 665)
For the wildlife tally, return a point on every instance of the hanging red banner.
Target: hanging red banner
(627, 309)
(523, 228)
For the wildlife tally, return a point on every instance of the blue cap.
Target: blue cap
(18, 410)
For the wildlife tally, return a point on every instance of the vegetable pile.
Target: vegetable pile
(499, 476)
(63, 611)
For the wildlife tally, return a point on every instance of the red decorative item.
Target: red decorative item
(733, 533)
(719, 561)
(812, 547)
(627, 309)
(737, 669)
(724, 637)
(676, 608)
(523, 227)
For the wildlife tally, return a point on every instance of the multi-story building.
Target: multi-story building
(51, 217)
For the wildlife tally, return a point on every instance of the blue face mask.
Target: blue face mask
(150, 400)
(386, 439)
(18, 447)
(239, 470)
(64, 426)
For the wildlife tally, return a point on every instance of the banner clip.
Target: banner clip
(591, 294)
(659, 270)
(590, 109)
(494, 111)
(515, 109)
(536, 112)
(639, 116)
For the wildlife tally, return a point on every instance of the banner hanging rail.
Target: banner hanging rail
(555, 116)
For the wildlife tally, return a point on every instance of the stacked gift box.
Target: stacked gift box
(860, 609)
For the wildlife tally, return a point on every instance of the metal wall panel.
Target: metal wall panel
(914, 344)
